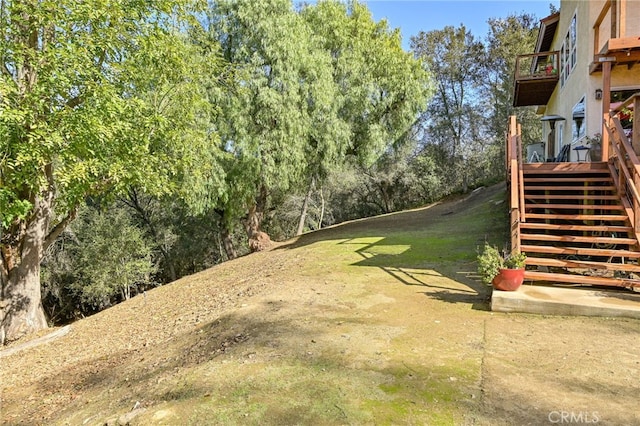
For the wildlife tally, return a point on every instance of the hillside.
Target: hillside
(377, 321)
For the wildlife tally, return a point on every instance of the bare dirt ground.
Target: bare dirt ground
(380, 321)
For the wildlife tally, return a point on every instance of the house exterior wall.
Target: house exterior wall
(579, 84)
(630, 26)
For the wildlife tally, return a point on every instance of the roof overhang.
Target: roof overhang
(548, 27)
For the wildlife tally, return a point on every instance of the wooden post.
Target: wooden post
(622, 19)
(520, 174)
(614, 19)
(635, 132)
(606, 106)
(636, 206)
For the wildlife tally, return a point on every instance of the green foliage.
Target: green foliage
(515, 261)
(509, 37)
(490, 261)
(101, 259)
(107, 96)
(114, 259)
(312, 89)
(96, 97)
(381, 88)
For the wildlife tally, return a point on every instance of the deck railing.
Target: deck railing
(515, 178)
(623, 159)
(534, 66)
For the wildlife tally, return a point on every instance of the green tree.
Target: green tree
(282, 83)
(380, 91)
(113, 259)
(453, 120)
(508, 37)
(95, 96)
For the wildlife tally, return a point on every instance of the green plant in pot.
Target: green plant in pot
(503, 272)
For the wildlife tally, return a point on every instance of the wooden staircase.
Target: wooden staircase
(575, 229)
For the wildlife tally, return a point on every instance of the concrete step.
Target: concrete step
(567, 301)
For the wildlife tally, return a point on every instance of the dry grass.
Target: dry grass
(380, 321)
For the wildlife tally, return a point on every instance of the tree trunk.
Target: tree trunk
(386, 198)
(21, 311)
(321, 209)
(229, 249)
(225, 234)
(258, 240)
(133, 201)
(303, 212)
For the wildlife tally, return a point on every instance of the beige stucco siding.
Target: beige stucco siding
(579, 82)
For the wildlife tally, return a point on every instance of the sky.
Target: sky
(413, 16)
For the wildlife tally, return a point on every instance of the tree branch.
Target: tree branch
(57, 230)
(75, 101)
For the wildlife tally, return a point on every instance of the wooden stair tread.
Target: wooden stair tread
(580, 279)
(575, 206)
(572, 263)
(570, 227)
(579, 239)
(607, 217)
(559, 168)
(528, 248)
(578, 184)
(570, 197)
(563, 195)
(577, 188)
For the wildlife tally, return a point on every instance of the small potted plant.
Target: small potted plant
(505, 273)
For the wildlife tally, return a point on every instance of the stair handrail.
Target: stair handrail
(624, 162)
(514, 179)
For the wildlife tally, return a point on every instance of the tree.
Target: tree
(113, 259)
(267, 119)
(508, 37)
(453, 120)
(380, 91)
(95, 97)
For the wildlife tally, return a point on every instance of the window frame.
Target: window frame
(569, 51)
(575, 136)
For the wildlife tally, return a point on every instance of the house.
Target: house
(575, 207)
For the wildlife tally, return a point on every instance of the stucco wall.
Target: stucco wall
(580, 83)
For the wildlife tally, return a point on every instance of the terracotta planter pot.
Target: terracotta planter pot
(508, 279)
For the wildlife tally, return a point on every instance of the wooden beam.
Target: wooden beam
(620, 43)
(603, 13)
(614, 19)
(635, 133)
(622, 19)
(606, 106)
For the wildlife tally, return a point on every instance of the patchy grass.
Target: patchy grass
(380, 321)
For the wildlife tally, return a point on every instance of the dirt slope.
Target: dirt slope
(380, 321)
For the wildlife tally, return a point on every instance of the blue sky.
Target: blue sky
(413, 16)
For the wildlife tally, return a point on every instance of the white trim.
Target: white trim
(583, 126)
(569, 50)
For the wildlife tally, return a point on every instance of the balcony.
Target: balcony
(536, 78)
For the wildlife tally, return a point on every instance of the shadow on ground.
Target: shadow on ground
(424, 246)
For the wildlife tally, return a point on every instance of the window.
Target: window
(559, 134)
(578, 124)
(569, 52)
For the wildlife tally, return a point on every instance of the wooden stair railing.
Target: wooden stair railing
(515, 181)
(571, 220)
(624, 162)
